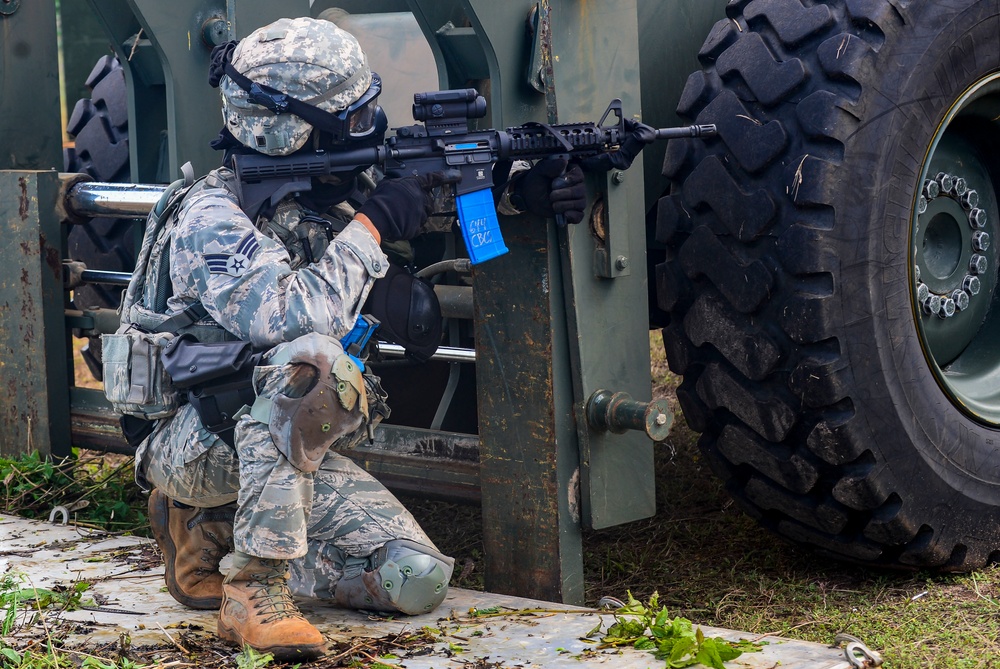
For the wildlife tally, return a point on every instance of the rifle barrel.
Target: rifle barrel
(687, 131)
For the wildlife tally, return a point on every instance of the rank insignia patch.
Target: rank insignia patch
(235, 264)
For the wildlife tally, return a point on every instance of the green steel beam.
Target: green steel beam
(444, 465)
(597, 59)
(34, 414)
(30, 133)
(671, 33)
(165, 48)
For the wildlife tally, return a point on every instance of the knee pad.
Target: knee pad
(402, 575)
(315, 395)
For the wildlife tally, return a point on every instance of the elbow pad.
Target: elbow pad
(408, 310)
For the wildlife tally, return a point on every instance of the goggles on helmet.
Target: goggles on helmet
(362, 118)
(358, 121)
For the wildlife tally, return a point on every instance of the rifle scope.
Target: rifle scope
(439, 105)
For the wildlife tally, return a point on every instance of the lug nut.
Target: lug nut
(970, 200)
(980, 240)
(922, 205)
(916, 272)
(931, 189)
(923, 292)
(946, 181)
(961, 299)
(932, 304)
(960, 188)
(972, 285)
(978, 264)
(947, 308)
(977, 218)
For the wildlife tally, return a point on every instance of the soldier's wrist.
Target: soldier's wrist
(367, 222)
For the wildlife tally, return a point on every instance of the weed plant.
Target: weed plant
(97, 490)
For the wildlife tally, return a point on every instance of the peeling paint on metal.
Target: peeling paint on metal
(23, 201)
(573, 495)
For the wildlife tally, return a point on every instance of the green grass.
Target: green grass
(97, 490)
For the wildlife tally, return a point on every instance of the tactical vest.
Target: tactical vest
(135, 381)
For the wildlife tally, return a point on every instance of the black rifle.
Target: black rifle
(444, 143)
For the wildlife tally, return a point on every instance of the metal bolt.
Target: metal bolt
(931, 189)
(923, 292)
(661, 419)
(980, 240)
(621, 262)
(932, 304)
(947, 308)
(977, 218)
(922, 205)
(971, 285)
(978, 264)
(617, 177)
(961, 299)
(916, 272)
(214, 30)
(961, 187)
(970, 200)
(946, 181)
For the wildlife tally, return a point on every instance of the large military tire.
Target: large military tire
(99, 127)
(837, 409)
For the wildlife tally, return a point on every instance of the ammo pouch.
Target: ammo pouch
(217, 377)
(135, 381)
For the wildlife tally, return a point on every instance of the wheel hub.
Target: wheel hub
(954, 256)
(953, 246)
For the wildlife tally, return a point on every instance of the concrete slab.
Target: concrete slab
(127, 586)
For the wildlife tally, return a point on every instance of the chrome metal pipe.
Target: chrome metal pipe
(94, 199)
(443, 354)
(105, 276)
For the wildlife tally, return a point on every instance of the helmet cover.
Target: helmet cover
(309, 59)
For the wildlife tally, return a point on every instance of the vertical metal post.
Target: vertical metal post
(528, 460)
(597, 59)
(557, 318)
(529, 457)
(30, 136)
(34, 411)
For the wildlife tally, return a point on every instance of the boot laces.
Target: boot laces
(273, 598)
(214, 549)
(212, 553)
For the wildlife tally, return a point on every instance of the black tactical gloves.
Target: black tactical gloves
(398, 207)
(545, 191)
(639, 136)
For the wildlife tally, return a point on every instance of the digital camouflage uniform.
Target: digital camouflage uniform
(262, 292)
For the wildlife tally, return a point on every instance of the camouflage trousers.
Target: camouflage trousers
(317, 520)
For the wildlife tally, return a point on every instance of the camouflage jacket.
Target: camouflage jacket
(255, 279)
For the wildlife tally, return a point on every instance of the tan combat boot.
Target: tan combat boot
(193, 542)
(257, 610)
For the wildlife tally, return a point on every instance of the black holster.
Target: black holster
(135, 430)
(218, 378)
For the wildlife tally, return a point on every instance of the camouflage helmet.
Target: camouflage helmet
(311, 60)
